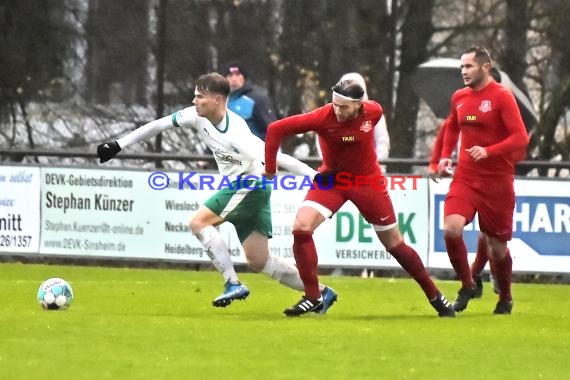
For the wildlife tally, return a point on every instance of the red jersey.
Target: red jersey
(517, 155)
(347, 146)
(489, 118)
(438, 146)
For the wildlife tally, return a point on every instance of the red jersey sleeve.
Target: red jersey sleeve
(518, 155)
(451, 135)
(512, 120)
(288, 126)
(438, 145)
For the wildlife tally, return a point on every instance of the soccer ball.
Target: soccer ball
(55, 294)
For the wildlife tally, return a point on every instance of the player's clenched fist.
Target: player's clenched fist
(107, 150)
(444, 168)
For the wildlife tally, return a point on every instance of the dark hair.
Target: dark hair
(482, 55)
(496, 74)
(213, 82)
(349, 88)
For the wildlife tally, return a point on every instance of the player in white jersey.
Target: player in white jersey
(238, 153)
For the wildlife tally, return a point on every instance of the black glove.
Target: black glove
(325, 179)
(107, 150)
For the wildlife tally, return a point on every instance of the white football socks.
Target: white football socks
(284, 272)
(217, 250)
(275, 267)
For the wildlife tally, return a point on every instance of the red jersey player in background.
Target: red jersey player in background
(481, 256)
(492, 134)
(346, 133)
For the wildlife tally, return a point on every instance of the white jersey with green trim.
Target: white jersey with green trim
(236, 149)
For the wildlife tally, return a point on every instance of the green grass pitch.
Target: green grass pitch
(159, 324)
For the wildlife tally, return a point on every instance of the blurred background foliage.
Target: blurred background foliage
(74, 73)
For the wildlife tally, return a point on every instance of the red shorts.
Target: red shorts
(371, 199)
(493, 199)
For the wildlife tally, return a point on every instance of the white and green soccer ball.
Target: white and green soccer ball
(55, 294)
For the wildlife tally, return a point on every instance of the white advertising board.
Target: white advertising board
(347, 240)
(122, 214)
(541, 227)
(19, 209)
(117, 213)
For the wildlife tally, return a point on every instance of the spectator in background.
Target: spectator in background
(247, 100)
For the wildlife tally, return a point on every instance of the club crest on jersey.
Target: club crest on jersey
(366, 126)
(485, 106)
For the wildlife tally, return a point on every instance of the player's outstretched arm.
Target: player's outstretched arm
(108, 150)
(254, 147)
(295, 166)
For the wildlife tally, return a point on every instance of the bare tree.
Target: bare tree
(553, 20)
(117, 51)
(417, 29)
(296, 48)
(33, 40)
(515, 50)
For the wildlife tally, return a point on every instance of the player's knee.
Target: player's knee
(302, 226)
(305, 224)
(255, 265)
(390, 238)
(195, 225)
(392, 244)
(452, 231)
(498, 249)
(309, 218)
(256, 256)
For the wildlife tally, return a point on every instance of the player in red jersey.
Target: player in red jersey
(346, 133)
(492, 135)
(481, 257)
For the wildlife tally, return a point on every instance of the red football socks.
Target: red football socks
(307, 261)
(411, 262)
(457, 253)
(480, 258)
(503, 274)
